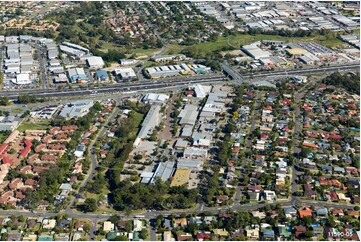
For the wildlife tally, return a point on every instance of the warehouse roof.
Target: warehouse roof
(189, 163)
(125, 72)
(95, 61)
(150, 121)
(254, 51)
(153, 97)
(164, 170)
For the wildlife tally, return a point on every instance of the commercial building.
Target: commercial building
(11, 39)
(150, 122)
(168, 58)
(352, 39)
(308, 59)
(181, 177)
(76, 109)
(102, 75)
(188, 115)
(125, 73)
(128, 62)
(22, 79)
(345, 21)
(201, 91)
(195, 153)
(155, 98)
(255, 52)
(77, 47)
(77, 75)
(175, 70)
(164, 71)
(194, 165)
(164, 171)
(8, 123)
(95, 62)
(73, 49)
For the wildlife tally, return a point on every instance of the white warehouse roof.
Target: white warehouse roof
(95, 61)
(22, 79)
(255, 52)
(126, 72)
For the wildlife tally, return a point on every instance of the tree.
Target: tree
(308, 234)
(121, 238)
(143, 234)
(4, 101)
(86, 227)
(90, 205)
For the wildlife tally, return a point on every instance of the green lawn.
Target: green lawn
(39, 125)
(356, 31)
(138, 119)
(2, 137)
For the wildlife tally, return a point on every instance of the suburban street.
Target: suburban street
(94, 163)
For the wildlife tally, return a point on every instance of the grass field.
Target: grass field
(138, 119)
(244, 39)
(2, 137)
(356, 31)
(39, 125)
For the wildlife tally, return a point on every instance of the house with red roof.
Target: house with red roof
(305, 143)
(54, 130)
(254, 188)
(6, 198)
(306, 212)
(7, 160)
(3, 148)
(337, 212)
(16, 184)
(20, 195)
(300, 230)
(267, 107)
(24, 153)
(333, 196)
(26, 170)
(306, 108)
(203, 235)
(30, 182)
(40, 148)
(351, 170)
(335, 136)
(264, 136)
(286, 102)
(311, 134)
(351, 105)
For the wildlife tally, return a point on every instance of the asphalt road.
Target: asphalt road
(120, 87)
(43, 76)
(163, 83)
(94, 162)
(254, 119)
(307, 71)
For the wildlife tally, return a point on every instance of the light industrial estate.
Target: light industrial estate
(179, 121)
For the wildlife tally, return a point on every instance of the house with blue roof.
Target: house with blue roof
(102, 75)
(268, 234)
(339, 169)
(290, 212)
